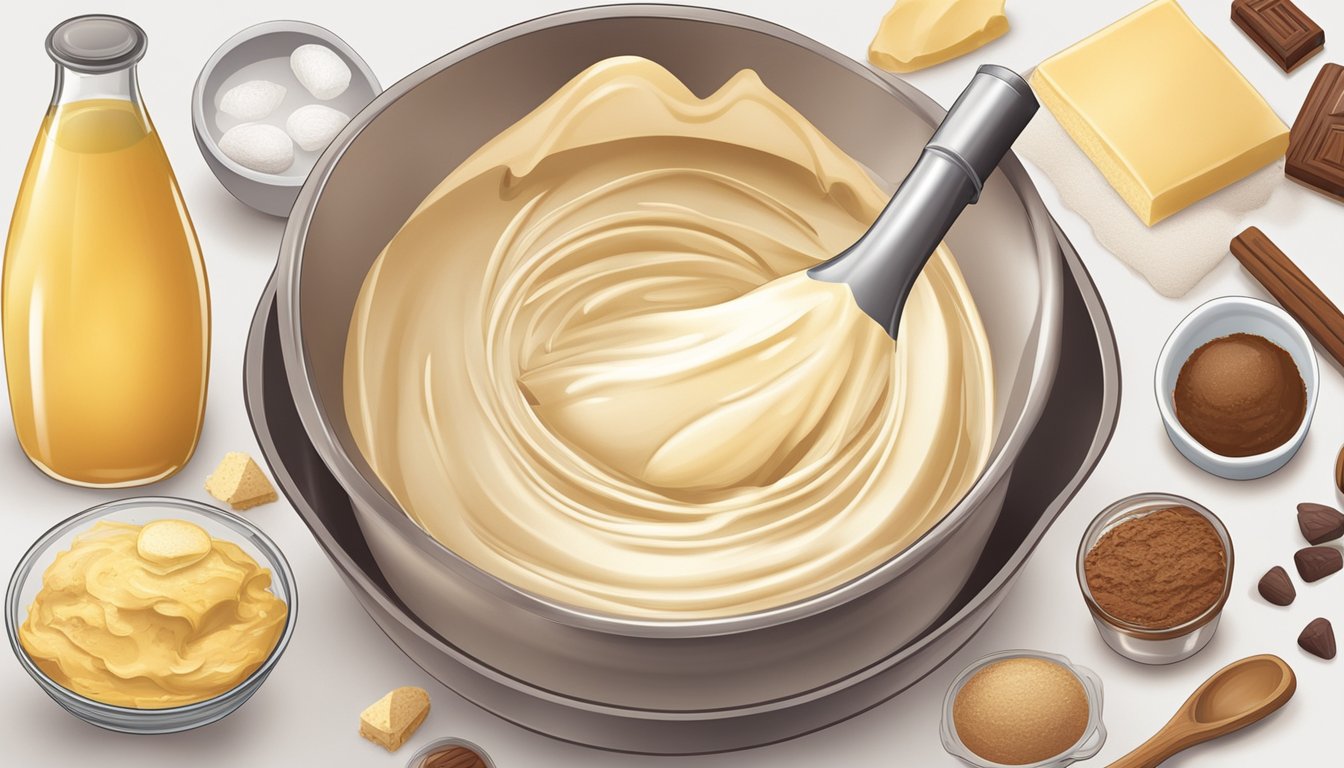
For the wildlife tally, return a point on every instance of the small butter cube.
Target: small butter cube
(920, 33)
(391, 720)
(240, 483)
(1159, 109)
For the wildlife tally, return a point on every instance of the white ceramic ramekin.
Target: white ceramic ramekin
(1224, 317)
(27, 580)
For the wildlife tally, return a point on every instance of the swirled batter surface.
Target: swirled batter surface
(589, 364)
(151, 617)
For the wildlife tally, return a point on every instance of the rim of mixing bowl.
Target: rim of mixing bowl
(1011, 436)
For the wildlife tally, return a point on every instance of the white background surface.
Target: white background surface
(339, 661)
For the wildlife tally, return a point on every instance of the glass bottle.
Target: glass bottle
(105, 305)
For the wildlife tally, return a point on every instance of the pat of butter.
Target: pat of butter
(920, 33)
(173, 543)
(1163, 114)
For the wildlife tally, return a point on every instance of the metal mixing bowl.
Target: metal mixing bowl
(395, 151)
(1069, 438)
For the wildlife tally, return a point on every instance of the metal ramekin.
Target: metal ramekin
(418, 759)
(1087, 746)
(267, 192)
(27, 580)
(1149, 645)
(381, 166)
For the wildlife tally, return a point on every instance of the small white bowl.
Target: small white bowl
(1224, 317)
(272, 193)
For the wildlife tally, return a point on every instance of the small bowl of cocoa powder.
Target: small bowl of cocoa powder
(1156, 570)
(1236, 387)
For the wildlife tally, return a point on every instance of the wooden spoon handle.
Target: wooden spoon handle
(1157, 750)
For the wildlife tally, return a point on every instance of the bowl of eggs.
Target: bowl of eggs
(269, 101)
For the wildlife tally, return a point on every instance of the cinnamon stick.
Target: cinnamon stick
(1294, 291)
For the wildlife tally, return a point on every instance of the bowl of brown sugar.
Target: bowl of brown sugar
(1156, 570)
(1236, 385)
(1023, 708)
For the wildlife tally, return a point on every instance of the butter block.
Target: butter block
(390, 721)
(1159, 109)
(920, 33)
(240, 483)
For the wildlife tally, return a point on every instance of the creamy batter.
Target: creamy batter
(589, 363)
(149, 617)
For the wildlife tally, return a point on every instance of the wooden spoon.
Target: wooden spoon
(1237, 695)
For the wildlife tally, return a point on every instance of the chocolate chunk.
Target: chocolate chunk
(1276, 587)
(1315, 563)
(1281, 29)
(1319, 523)
(1316, 143)
(1318, 639)
(1339, 470)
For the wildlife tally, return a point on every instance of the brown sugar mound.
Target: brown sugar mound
(1159, 570)
(1021, 711)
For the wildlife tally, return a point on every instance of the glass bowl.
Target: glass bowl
(1148, 645)
(1087, 746)
(27, 581)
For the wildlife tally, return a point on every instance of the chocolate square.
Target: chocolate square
(1316, 143)
(1281, 29)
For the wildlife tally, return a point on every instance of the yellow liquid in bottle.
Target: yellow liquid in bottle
(106, 310)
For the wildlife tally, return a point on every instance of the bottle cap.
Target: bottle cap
(96, 43)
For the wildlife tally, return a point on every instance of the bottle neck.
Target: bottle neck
(72, 86)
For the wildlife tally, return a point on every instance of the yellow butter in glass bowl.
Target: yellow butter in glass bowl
(590, 364)
(153, 616)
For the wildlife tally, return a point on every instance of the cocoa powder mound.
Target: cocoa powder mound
(1159, 570)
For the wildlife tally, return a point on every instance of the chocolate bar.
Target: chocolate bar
(1281, 29)
(1316, 143)
(1294, 291)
